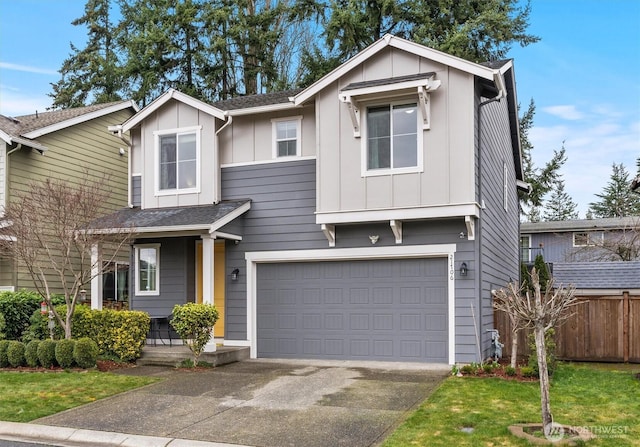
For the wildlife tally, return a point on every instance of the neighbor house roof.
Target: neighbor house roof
(610, 223)
(598, 275)
(27, 128)
(185, 218)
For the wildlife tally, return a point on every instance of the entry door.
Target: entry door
(218, 283)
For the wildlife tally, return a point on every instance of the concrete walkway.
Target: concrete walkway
(251, 403)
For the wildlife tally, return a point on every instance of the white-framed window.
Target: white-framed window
(286, 135)
(587, 238)
(392, 140)
(115, 281)
(178, 160)
(525, 248)
(147, 259)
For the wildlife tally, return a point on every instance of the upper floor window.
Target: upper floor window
(392, 139)
(587, 238)
(286, 137)
(525, 248)
(178, 160)
(147, 269)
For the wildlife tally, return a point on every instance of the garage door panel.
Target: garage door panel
(382, 309)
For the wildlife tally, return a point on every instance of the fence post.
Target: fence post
(625, 325)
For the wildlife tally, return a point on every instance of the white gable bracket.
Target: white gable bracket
(424, 100)
(330, 233)
(470, 222)
(354, 113)
(396, 227)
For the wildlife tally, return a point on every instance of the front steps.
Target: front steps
(173, 355)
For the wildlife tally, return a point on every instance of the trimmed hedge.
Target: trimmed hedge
(85, 353)
(15, 353)
(17, 308)
(31, 353)
(47, 353)
(64, 352)
(118, 333)
(4, 360)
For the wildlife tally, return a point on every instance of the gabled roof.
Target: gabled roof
(174, 219)
(166, 97)
(25, 129)
(560, 226)
(391, 41)
(253, 103)
(598, 275)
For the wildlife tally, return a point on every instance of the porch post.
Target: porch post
(96, 277)
(207, 279)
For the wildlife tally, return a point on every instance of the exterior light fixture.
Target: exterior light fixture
(462, 235)
(463, 269)
(234, 274)
(374, 238)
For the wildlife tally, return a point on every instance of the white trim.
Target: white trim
(223, 235)
(418, 212)
(230, 217)
(274, 136)
(30, 143)
(7, 289)
(240, 343)
(163, 99)
(262, 109)
(590, 237)
(470, 223)
(341, 254)
(396, 228)
(264, 162)
(136, 249)
(389, 40)
(197, 131)
(528, 248)
(81, 119)
(5, 137)
(330, 233)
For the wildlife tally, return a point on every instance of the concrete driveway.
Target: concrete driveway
(265, 403)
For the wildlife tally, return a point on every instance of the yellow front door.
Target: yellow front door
(218, 283)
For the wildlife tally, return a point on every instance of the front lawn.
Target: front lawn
(606, 401)
(25, 396)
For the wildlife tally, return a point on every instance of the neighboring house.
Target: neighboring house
(367, 216)
(62, 144)
(581, 240)
(635, 185)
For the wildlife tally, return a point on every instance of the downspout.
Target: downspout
(502, 93)
(17, 148)
(228, 121)
(117, 132)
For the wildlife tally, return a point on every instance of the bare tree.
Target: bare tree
(505, 301)
(620, 244)
(541, 312)
(45, 230)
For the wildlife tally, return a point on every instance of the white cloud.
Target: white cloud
(16, 104)
(27, 68)
(565, 112)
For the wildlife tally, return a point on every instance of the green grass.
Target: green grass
(581, 395)
(25, 396)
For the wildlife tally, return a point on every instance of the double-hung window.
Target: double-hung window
(147, 269)
(178, 160)
(286, 137)
(392, 138)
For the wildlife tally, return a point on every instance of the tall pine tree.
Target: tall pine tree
(560, 206)
(616, 199)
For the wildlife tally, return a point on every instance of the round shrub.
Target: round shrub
(4, 361)
(31, 353)
(85, 352)
(15, 353)
(64, 352)
(47, 353)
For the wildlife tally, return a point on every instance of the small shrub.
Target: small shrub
(194, 324)
(4, 361)
(85, 353)
(31, 353)
(47, 353)
(510, 370)
(64, 352)
(469, 369)
(15, 353)
(490, 367)
(528, 371)
(3, 324)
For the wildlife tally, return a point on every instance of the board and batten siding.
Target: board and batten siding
(282, 218)
(448, 176)
(498, 226)
(73, 151)
(175, 115)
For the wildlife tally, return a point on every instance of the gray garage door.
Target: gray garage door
(394, 310)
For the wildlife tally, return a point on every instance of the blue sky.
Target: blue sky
(584, 76)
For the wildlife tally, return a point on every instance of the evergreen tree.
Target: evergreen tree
(616, 199)
(560, 206)
(91, 75)
(540, 180)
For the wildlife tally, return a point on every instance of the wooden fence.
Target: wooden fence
(601, 328)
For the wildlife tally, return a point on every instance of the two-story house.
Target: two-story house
(367, 216)
(63, 144)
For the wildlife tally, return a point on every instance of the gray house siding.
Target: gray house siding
(498, 227)
(283, 198)
(177, 280)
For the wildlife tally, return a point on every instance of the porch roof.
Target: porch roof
(174, 219)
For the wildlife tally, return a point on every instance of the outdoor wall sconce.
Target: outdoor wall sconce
(462, 235)
(374, 239)
(463, 269)
(234, 274)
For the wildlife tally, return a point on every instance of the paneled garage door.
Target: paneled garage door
(393, 310)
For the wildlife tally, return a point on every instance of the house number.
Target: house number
(451, 271)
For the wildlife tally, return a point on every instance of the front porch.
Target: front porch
(173, 355)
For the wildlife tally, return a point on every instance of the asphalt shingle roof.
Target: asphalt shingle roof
(387, 81)
(265, 99)
(579, 225)
(598, 275)
(169, 217)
